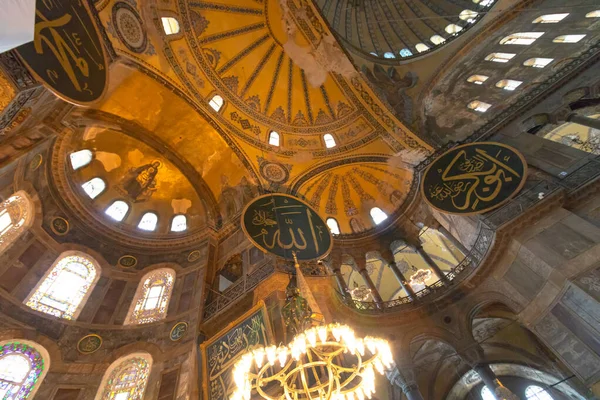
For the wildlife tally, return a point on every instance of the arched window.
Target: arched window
(333, 226)
(378, 215)
(216, 102)
(500, 57)
(16, 216)
(421, 47)
(94, 187)
(170, 25)
(508, 84)
(405, 53)
(179, 223)
(126, 378)
(536, 393)
(117, 210)
(329, 140)
(148, 222)
(484, 3)
(437, 39)
(486, 394)
(479, 106)
(538, 62)
(477, 79)
(468, 15)
(568, 38)
(80, 158)
(453, 29)
(23, 366)
(550, 18)
(593, 14)
(152, 297)
(274, 138)
(389, 54)
(65, 287)
(373, 54)
(521, 38)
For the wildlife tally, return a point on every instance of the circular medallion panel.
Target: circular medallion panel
(60, 226)
(129, 27)
(274, 172)
(178, 331)
(89, 344)
(127, 261)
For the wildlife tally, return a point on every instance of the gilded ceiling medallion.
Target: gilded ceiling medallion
(127, 261)
(129, 27)
(60, 226)
(178, 331)
(89, 344)
(194, 256)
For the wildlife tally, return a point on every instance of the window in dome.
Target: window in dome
(22, 369)
(534, 392)
(126, 378)
(538, 62)
(550, 18)
(453, 29)
(216, 102)
(479, 106)
(80, 158)
(593, 14)
(568, 38)
(508, 84)
(274, 138)
(405, 53)
(16, 216)
(152, 297)
(170, 25)
(500, 57)
(421, 47)
(148, 222)
(117, 210)
(94, 187)
(373, 54)
(522, 38)
(468, 15)
(486, 394)
(329, 140)
(437, 39)
(179, 223)
(62, 291)
(333, 226)
(389, 54)
(378, 215)
(477, 79)
(484, 3)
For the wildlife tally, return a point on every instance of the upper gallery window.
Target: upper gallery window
(421, 47)
(65, 285)
(329, 140)
(80, 158)
(486, 394)
(274, 138)
(333, 226)
(94, 187)
(568, 38)
(521, 38)
(389, 54)
(477, 79)
(378, 215)
(538, 62)
(437, 39)
(500, 57)
(405, 53)
(216, 102)
(550, 18)
(453, 28)
(117, 210)
(22, 369)
(170, 25)
(179, 223)
(15, 217)
(508, 84)
(152, 297)
(148, 222)
(126, 378)
(533, 392)
(593, 14)
(479, 106)
(484, 3)
(467, 15)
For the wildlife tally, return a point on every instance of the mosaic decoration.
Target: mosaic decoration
(331, 207)
(474, 178)
(139, 183)
(60, 226)
(67, 54)
(178, 331)
(127, 261)
(128, 380)
(349, 206)
(220, 353)
(154, 298)
(89, 344)
(62, 290)
(23, 366)
(283, 225)
(36, 162)
(14, 212)
(129, 27)
(274, 172)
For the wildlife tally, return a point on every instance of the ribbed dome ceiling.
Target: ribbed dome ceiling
(400, 29)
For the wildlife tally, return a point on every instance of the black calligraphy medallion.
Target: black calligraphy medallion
(474, 178)
(66, 53)
(178, 331)
(89, 344)
(282, 225)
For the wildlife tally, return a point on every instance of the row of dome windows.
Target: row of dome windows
(377, 214)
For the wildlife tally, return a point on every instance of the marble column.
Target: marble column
(429, 261)
(404, 377)
(402, 280)
(340, 281)
(474, 356)
(374, 292)
(583, 120)
(452, 239)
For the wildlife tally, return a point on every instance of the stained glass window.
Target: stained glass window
(152, 297)
(126, 378)
(179, 223)
(67, 283)
(15, 217)
(80, 158)
(21, 370)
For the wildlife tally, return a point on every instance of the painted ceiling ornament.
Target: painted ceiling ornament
(129, 27)
(474, 178)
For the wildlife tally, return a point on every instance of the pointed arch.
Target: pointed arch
(126, 378)
(151, 297)
(66, 286)
(16, 216)
(23, 367)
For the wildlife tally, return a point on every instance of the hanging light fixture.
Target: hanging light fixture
(420, 277)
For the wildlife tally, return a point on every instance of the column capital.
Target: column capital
(403, 377)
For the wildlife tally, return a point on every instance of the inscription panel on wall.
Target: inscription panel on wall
(66, 53)
(474, 178)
